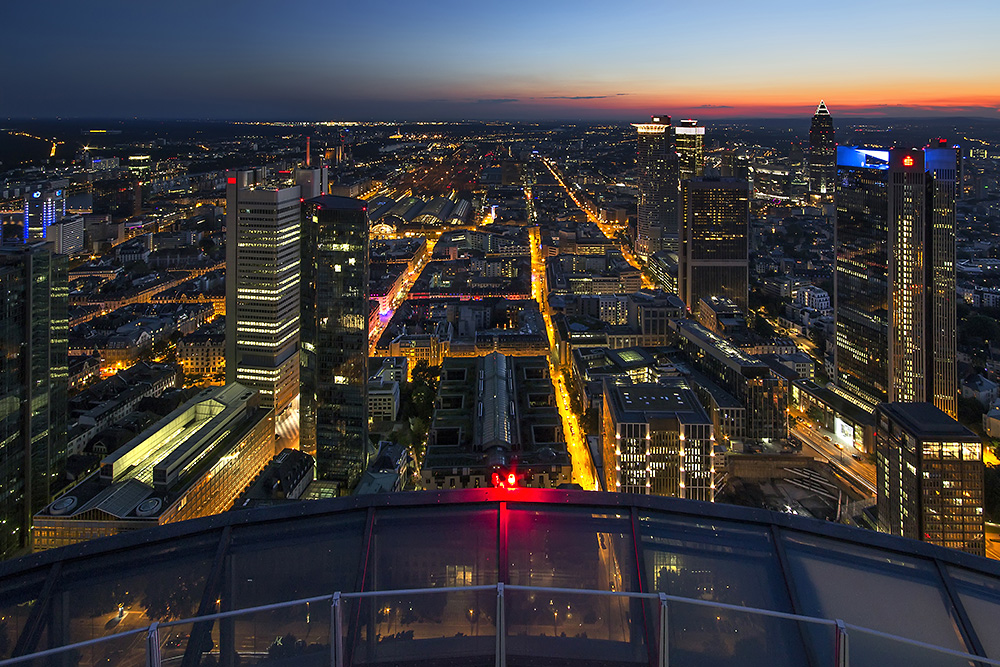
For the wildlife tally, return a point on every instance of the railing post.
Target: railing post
(841, 653)
(501, 657)
(336, 632)
(664, 632)
(153, 645)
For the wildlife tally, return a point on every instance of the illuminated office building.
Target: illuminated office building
(335, 308)
(822, 157)
(44, 204)
(690, 142)
(657, 440)
(894, 283)
(34, 381)
(930, 477)
(262, 281)
(714, 251)
(657, 162)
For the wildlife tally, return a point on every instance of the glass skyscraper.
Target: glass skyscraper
(714, 250)
(335, 307)
(34, 381)
(894, 284)
(822, 158)
(690, 139)
(658, 179)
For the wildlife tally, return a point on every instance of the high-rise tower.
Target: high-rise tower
(657, 162)
(894, 282)
(44, 204)
(714, 251)
(262, 281)
(335, 307)
(822, 158)
(690, 139)
(34, 381)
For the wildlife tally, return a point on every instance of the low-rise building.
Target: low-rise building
(194, 462)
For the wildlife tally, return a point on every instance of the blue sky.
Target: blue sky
(386, 59)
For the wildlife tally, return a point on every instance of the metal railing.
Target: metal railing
(659, 653)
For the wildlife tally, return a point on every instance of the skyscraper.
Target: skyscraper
(822, 153)
(262, 285)
(657, 162)
(690, 140)
(335, 307)
(43, 205)
(34, 381)
(894, 282)
(714, 249)
(930, 477)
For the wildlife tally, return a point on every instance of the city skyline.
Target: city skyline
(457, 61)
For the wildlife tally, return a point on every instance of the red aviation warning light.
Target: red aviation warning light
(908, 161)
(502, 481)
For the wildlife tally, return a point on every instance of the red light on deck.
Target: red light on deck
(512, 480)
(908, 161)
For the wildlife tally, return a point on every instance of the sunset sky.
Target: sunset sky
(544, 59)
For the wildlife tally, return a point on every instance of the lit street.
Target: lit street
(861, 473)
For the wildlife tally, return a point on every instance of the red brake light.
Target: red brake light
(908, 161)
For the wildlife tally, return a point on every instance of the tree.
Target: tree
(815, 413)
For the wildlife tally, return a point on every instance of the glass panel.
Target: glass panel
(434, 547)
(447, 628)
(871, 588)
(326, 552)
(18, 596)
(574, 628)
(121, 591)
(980, 595)
(130, 651)
(571, 548)
(867, 650)
(299, 634)
(707, 637)
(723, 562)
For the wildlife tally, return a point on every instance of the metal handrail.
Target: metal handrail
(335, 599)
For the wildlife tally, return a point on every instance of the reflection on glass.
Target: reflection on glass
(723, 562)
(17, 599)
(980, 595)
(447, 628)
(437, 547)
(576, 628)
(96, 598)
(873, 589)
(272, 563)
(570, 548)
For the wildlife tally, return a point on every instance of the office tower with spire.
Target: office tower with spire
(714, 259)
(822, 158)
(690, 142)
(34, 381)
(335, 308)
(894, 278)
(263, 213)
(658, 181)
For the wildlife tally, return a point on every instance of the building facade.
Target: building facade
(714, 255)
(657, 162)
(657, 440)
(334, 359)
(263, 238)
(194, 462)
(822, 156)
(44, 204)
(690, 143)
(34, 381)
(930, 477)
(894, 282)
